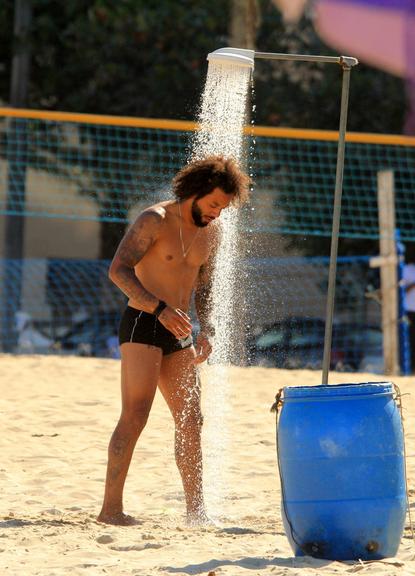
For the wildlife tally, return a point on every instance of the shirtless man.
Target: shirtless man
(167, 253)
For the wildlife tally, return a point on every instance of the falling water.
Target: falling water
(222, 111)
(221, 119)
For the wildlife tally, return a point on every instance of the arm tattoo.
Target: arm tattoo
(133, 247)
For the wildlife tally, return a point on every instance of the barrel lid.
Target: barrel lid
(355, 389)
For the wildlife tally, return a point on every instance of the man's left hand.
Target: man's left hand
(203, 348)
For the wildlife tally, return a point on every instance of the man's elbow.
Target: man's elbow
(114, 271)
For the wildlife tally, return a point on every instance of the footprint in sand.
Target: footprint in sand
(239, 531)
(136, 547)
(53, 511)
(105, 539)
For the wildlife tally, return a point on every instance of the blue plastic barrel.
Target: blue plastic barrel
(341, 461)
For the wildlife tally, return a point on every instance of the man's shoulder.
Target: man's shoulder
(160, 209)
(153, 215)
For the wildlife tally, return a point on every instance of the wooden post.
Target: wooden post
(388, 271)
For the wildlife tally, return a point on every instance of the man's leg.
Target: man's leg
(140, 369)
(180, 387)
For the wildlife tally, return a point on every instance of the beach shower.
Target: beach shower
(245, 59)
(237, 56)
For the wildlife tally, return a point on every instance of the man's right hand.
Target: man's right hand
(177, 321)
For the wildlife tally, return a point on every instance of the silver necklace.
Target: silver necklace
(186, 251)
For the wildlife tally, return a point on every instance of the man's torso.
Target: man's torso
(164, 271)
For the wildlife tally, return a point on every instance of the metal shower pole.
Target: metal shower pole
(347, 63)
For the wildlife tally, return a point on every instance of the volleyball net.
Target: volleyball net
(71, 307)
(101, 169)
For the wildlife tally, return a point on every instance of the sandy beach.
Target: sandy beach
(57, 414)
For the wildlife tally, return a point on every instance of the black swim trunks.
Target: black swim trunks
(144, 328)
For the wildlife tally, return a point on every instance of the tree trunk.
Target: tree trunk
(245, 20)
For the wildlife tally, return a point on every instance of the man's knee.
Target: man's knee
(135, 417)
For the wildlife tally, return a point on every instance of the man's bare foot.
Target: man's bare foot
(119, 519)
(199, 520)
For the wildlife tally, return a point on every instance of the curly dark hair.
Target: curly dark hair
(200, 177)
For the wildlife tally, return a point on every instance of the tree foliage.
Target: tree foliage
(305, 95)
(148, 58)
(131, 57)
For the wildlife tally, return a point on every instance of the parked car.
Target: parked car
(30, 340)
(93, 336)
(292, 343)
(299, 343)
(361, 344)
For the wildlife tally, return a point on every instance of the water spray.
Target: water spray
(245, 58)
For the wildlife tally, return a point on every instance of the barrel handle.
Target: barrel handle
(398, 400)
(278, 402)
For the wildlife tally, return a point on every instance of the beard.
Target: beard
(197, 215)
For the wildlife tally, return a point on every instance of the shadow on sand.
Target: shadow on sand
(250, 563)
(22, 522)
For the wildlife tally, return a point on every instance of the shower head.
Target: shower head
(237, 56)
